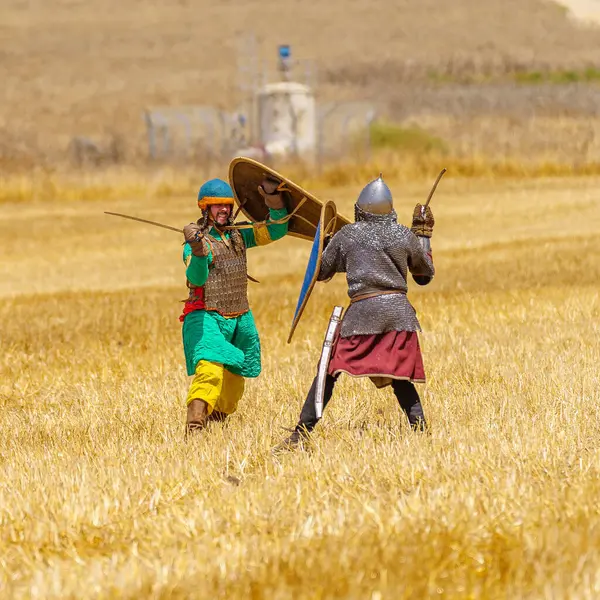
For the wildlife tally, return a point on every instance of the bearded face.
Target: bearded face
(219, 214)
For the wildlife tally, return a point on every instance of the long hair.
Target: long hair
(237, 241)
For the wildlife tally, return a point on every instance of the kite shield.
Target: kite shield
(326, 227)
(245, 175)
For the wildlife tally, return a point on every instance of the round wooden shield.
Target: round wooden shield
(327, 226)
(245, 175)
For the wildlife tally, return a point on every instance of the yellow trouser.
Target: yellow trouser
(217, 386)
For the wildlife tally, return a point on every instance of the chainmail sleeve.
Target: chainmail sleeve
(334, 260)
(420, 263)
(374, 253)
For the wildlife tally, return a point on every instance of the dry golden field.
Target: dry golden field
(101, 497)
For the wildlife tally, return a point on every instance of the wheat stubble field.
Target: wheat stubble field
(101, 497)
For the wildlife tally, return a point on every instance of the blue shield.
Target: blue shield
(326, 224)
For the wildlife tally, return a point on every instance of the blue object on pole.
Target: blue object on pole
(284, 51)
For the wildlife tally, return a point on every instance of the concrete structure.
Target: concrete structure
(287, 119)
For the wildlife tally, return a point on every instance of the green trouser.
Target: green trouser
(232, 342)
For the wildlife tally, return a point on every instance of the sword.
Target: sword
(330, 335)
(432, 192)
(160, 225)
(144, 221)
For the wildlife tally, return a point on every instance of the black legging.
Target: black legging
(405, 392)
(409, 401)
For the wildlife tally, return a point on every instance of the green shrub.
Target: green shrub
(589, 75)
(385, 135)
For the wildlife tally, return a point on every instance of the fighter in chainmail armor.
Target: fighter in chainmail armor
(220, 340)
(378, 335)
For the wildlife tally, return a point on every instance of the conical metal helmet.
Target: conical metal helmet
(376, 197)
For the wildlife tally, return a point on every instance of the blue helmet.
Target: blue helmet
(215, 191)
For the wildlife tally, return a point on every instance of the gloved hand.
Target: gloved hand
(268, 190)
(422, 221)
(195, 238)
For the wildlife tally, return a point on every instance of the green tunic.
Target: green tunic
(207, 335)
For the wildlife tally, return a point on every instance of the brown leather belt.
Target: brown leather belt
(374, 295)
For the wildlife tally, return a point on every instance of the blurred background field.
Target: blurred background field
(99, 495)
(481, 83)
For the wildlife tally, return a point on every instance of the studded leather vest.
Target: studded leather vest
(226, 289)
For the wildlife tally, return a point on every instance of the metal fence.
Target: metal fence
(344, 128)
(205, 132)
(192, 131)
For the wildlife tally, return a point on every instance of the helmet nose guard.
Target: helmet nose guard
(376, 198)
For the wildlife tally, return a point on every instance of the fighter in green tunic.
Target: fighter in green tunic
(220, 340)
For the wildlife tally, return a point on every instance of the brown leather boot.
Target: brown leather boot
(217, 416)
(197, 415)
(292, 442)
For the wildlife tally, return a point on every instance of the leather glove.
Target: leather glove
(422, 221)
(195, 238)
(268, 190)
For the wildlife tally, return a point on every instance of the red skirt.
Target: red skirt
(382, 357)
